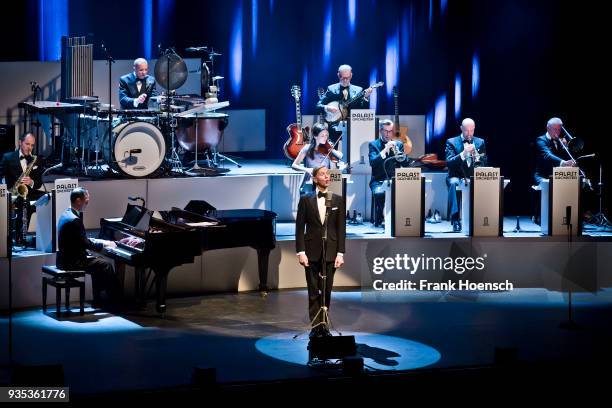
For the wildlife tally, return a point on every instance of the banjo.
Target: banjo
(342, 106)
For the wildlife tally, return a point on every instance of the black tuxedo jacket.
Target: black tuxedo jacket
(547, 157)
(128, 90)
(379, 164)
(10, 168)
(309, 228)
(334, 93)
(458, 167)
(73, 242)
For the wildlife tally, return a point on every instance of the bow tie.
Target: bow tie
(467, 141)
(321, 194)
(28, 158)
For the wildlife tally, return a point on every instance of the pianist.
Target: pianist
(72, 255)
(137, 88)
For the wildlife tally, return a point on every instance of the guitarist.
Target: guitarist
(342, 91)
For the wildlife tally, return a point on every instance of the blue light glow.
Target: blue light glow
(392, 63)
(443, 5)
(352, 12)
(405, 35)
(439, 122)
(53, 24)
(271, 6)
(430, 14)
(305, 91)
(327, 36)
(457, 96)
(254, 25)
(373, 95)
(379, 352)
(428, 127)
(475, 75)
(236, 52)
(147, 27)
(101, 322)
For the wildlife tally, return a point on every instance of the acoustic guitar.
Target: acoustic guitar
(298, 136)
(401, 132)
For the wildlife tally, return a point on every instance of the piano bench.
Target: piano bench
(62, 279)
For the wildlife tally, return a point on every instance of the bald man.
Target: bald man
(463, 154)
(137, 88)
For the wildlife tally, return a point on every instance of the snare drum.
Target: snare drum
(138, 148)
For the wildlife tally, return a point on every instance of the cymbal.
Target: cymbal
(214, 54)
(216, 78)
(170, 68)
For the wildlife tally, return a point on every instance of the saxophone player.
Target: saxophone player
(13, 166)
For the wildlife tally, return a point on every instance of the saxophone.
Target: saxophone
(20, 189)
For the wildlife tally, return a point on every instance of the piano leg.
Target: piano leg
(262, 264)
(161, 282)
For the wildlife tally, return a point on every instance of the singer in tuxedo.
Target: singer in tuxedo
(463, 154)
(319, 213)
(73, 244)
(385, 155)
(12, 166)
(342, 91)
(550, 152)
(137, 88)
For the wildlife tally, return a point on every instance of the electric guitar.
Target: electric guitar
(298, 136)
(401, 132)
(341, 112)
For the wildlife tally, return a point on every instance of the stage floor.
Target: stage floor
(248, 338)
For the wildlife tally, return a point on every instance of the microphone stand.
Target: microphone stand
(570, 324)
(110, 60)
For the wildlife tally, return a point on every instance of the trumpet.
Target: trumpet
(399, 154)
(19, 188)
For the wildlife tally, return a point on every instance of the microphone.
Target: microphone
(134, 198)
(328, 199)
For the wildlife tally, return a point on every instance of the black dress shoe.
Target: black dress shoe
(456, 226)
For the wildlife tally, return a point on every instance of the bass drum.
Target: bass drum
(138, 148)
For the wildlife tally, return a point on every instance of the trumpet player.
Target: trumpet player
(13, 166)
(385, 155)
(463, 154)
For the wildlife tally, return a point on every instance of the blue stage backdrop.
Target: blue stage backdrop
(510, 65)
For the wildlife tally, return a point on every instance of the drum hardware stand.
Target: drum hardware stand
(600, 218)
(110, 61)
(216, 155)
(196, 169)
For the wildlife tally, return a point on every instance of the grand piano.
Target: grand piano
(175, 237)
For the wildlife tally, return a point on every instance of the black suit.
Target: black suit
(11, 170)
(548, 155)
(128, 90)
(460, 169)
(335, 92)
(382, 169)
(308, 238)
(72, 255)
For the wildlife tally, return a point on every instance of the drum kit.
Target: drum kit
(147, 142)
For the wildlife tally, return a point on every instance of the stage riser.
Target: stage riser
(530, 262)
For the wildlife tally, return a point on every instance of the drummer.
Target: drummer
(137, 88)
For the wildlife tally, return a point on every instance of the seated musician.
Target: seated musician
(14, 166)
(137, 88)
(73, 244)
(316, 154)
(550, 151)
(342, 91)
(385, 155)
